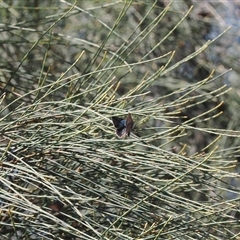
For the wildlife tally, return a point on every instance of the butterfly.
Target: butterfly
(123, 126)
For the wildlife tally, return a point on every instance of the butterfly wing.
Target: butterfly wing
(129, 124)
(120, 125)
(118, 122)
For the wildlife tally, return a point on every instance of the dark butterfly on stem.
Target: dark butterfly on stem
(123, 127)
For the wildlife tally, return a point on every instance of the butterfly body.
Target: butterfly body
(123, 127)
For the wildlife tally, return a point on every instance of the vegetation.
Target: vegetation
(67, 68)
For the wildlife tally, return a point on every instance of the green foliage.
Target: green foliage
(67, 68)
